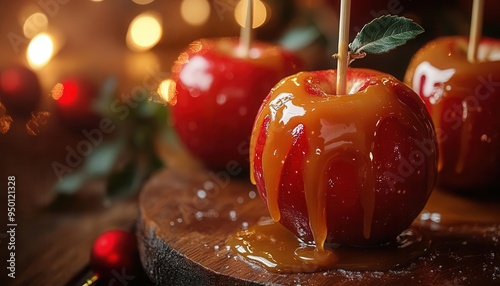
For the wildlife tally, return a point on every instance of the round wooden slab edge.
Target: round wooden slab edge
(185, 219)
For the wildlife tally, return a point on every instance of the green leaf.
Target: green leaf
(103, 158)
(300, 37)
(384, 34)
(71, 183)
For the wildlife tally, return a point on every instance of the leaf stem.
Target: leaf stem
(246, 32)
(343, 47)
(475, 30)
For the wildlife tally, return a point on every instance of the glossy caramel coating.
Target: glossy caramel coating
(463, 99)
(330, 167)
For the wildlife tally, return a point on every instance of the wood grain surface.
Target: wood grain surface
(186, 217)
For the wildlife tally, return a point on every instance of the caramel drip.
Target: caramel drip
(338, 128)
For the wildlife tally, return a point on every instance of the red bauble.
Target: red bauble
(20, 90)
(115, 255)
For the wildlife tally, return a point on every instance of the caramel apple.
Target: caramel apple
(464, 101)
(342, 158)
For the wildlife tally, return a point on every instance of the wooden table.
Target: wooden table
(54, 235)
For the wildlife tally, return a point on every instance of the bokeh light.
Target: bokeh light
(259, 13)
(37, 123)
(40, 50)
(57, 91)
(195, 12)
(5, 119)
(5, 123)
(142, 2)
(69, 94)
(36, 23)
(144, 31)
(10, 81)
(166, 90)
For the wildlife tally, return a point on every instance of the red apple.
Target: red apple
(464, 101)
(218, 94)
(20, 90)
(354, 169)
(75, 103)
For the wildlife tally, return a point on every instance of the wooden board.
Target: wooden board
(185, 219)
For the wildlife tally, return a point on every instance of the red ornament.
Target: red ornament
(115, 256)
(20, 90)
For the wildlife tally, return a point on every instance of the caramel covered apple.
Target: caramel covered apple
(341, 158)
(460, 84)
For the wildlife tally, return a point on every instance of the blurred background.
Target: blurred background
(112, 57)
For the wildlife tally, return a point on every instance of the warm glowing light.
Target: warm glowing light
(35, 24)
(57, 91)
(259, 13)
(5, 123)
(40, 50)
(142, 2)
(70, 91)
(5, 120)
(37, 123)
(166, 90)
(144, 32)
(195, 12)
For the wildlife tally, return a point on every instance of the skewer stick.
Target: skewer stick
(343, 56)
(246, 31)
(476, 28)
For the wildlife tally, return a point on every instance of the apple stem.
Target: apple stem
(343, 48)
(475, 30)
(246, 31)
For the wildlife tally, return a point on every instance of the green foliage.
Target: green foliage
(125, 158)
(384, 34)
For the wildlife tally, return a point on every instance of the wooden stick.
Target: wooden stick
(246, 31)
(343, 56)
(476, 28)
